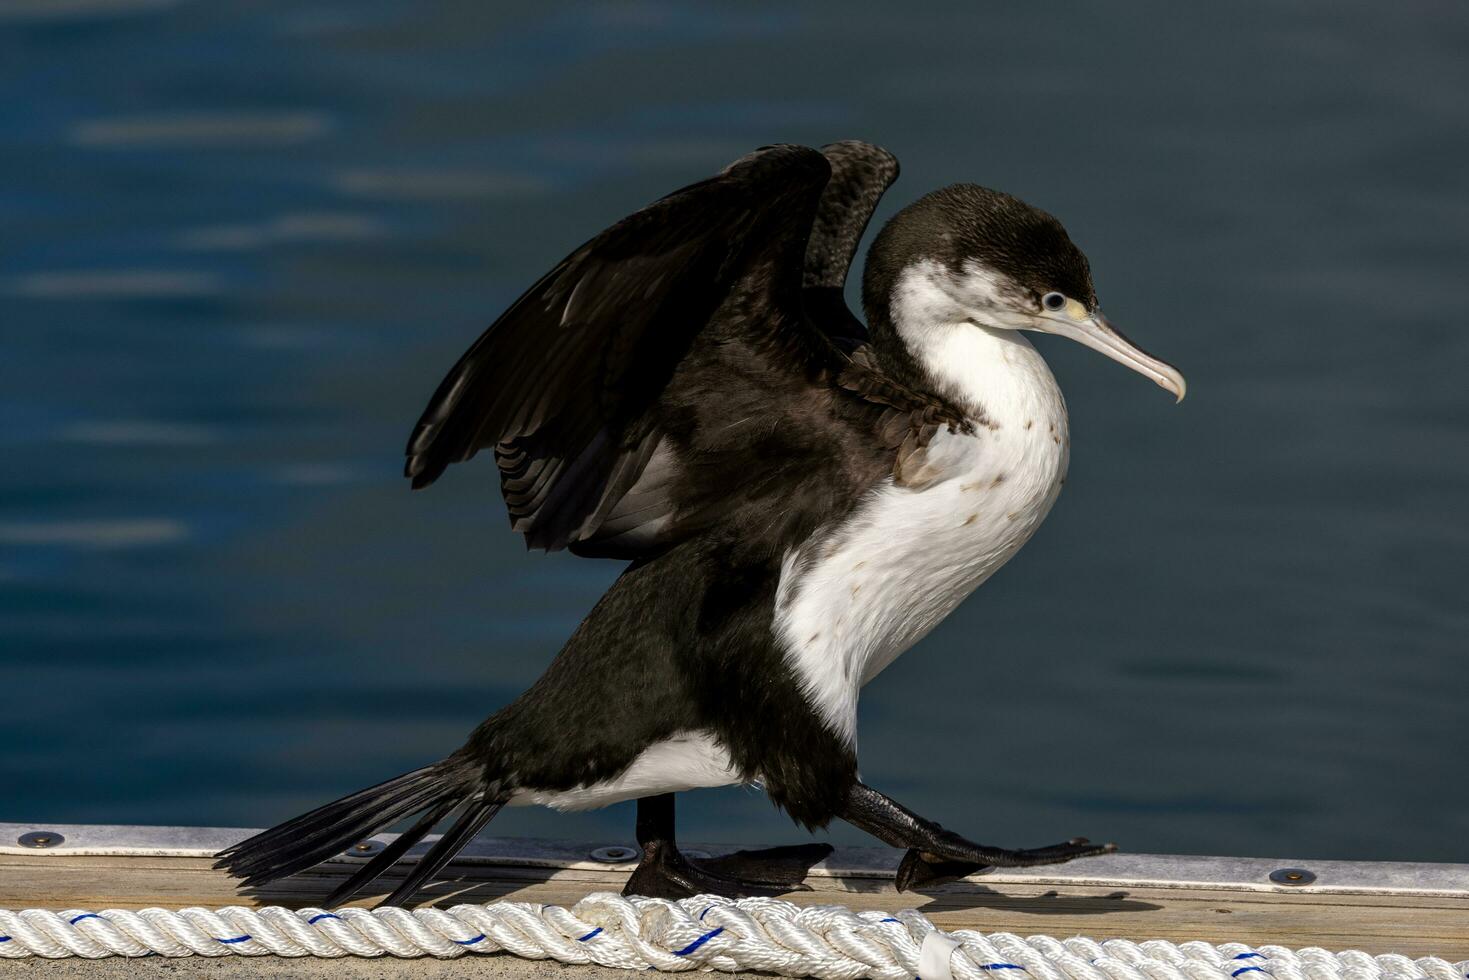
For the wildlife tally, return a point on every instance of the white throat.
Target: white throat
(955, 330)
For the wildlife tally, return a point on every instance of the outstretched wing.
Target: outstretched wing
(860, 174)
(563, 383)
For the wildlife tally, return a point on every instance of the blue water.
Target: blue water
(240, 244)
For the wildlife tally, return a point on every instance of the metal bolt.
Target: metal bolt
(1292, 876)
(40, 839)
(614, 854)
(365, 849)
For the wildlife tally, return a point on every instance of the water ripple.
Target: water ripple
(202, 129)
(101, 534)
(315, 474)
(428, 184)
(285, 229)
(137, 432)
(67, 9)
(114, 284)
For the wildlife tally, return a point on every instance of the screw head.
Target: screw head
(1292, 876)
(40, 839)
(614, 855)
(365, 849)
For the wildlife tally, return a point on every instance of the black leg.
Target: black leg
(664, 872)
(655, 821)
(936, 855)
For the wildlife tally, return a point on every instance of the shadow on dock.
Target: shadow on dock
(479, 883)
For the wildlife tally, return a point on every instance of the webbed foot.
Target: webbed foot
(922, 868)
(665, 872)
(936, 855)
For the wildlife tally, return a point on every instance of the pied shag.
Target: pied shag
(800, 497)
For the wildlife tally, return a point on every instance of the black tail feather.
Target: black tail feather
(267, 846)
(313, 837)
(272, 861)
(389, 855)
(470, 822)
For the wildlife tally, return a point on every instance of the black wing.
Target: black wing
(860, 174)
(563, 383)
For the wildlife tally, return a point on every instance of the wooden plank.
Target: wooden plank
(1414, 925)
(880, 863)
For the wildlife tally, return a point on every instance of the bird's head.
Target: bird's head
(967, 256)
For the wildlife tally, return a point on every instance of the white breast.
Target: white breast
(856, 596)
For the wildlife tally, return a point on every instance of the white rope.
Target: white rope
(766, 934)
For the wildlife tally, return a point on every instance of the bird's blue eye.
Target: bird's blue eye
(1053, 301)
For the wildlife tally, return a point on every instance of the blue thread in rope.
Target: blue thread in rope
(582, 939)
(698, 942)
(1245, 956)
(1248, 969)
(4, 939)
(466, 942)
(705, 912)
(324, 915)
(85, 915)
(237, 939)
(1000, 966)
(888, 919)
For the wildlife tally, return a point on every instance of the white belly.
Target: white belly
(853, 599)
(690, 760)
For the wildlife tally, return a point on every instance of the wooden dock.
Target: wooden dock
(1413, 909)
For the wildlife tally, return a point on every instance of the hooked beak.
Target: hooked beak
(1093, 330)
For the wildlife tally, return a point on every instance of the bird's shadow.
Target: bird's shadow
(783, 865)
(1051, 902)
(791, 866)
(788, 866)
(966, 893)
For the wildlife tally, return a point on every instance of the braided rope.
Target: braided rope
(766, 934)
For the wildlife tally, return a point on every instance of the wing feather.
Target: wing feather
(860, 174)
(562, 385)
